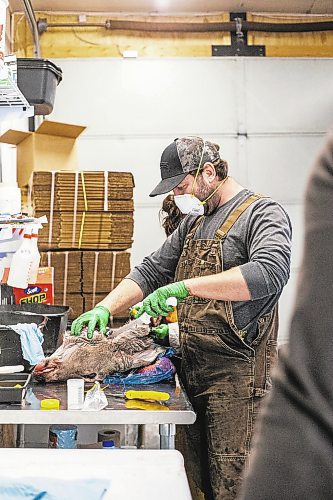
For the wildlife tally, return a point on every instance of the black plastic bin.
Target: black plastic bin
(13, 387)
(37, 79)
(51, 319)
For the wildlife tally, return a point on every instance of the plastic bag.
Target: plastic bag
(95, 399)
(162, 369)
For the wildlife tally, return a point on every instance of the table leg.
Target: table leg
(20, 429)
(141, 436)
(167, 436)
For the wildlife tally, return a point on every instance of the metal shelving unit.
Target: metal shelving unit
(13, 104)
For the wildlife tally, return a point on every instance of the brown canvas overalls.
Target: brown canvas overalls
(224, 376)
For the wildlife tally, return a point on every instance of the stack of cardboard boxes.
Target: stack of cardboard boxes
(86, 210)
(84, 278)
(90, 214)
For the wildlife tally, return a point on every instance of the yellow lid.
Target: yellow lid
(50, 404)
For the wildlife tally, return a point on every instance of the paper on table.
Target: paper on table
(11, 369)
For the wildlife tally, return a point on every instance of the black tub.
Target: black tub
(37, 79)
(51, 319)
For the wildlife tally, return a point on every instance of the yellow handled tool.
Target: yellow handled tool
(148, 395)
(135, 404)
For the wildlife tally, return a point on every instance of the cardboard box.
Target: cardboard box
(51, 147)
(82, 191)
(42, 292)
(86, 271)
(74, 301)
(86, 230)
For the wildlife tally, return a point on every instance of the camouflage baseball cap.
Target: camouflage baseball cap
(180, 158)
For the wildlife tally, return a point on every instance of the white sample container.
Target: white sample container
(75, 393)
(10, 199)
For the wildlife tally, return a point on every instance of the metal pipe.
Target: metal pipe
(30, 15)
(232, 27)
(20, 436)
(167, 436)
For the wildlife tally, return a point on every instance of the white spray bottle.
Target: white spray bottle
(35, 255)
(21, 262)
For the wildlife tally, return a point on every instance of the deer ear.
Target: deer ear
(100, 376)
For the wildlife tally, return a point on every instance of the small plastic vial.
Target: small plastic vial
(75, 393)
(172, 316)
(172, 320)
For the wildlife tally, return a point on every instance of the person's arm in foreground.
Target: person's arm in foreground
(292, 456)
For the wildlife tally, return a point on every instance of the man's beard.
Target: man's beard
(203, 192)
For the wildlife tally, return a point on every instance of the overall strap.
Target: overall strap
(193, 229)
(223, 230)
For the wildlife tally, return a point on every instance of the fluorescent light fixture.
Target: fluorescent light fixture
(162, 4)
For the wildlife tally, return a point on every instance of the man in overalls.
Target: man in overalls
(226, 264)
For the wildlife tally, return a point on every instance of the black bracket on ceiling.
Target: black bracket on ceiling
(239, 46)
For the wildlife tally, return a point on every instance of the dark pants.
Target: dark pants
(225, 387)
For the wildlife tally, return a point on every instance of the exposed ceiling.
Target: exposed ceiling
(178, 7)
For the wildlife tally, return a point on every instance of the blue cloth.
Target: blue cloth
(52, 489)
(31, 341)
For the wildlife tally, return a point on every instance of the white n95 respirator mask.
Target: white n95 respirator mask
(189, 204)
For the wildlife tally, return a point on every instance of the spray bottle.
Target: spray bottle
(35, 257)
(172, 320)
(21, 263)
(145, 318)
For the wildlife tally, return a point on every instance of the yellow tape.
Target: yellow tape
(84, 192)
(85, 208)
(81, 228)
(76, 188)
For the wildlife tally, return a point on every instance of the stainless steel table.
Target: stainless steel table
(178, 410)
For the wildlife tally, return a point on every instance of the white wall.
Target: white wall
(268, 115)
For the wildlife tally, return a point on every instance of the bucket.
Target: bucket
(109, 434)
(51, 319)
(37, 79)
(63, 436)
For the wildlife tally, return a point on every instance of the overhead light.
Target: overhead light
(162, 4)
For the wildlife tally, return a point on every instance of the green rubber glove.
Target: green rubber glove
(160, 331)
(155, 303)
(99, 316)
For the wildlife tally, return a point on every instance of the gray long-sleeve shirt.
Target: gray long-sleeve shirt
(259, 243)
